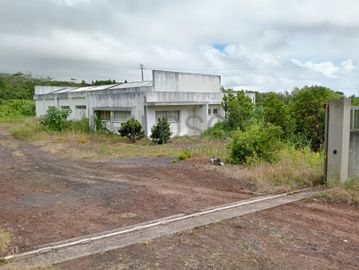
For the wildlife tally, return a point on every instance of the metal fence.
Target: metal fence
(354, 118)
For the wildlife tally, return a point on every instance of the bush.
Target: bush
(161, 132)
(131, 129)
(218, 131)
(256, 143)
(186, 154)
(56, 119)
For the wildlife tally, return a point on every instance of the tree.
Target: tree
(276, 112)
(239, 109)
(131, 129)
(307, 108)
(161, 132)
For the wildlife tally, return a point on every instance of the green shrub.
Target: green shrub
(258, 142)
(218, 131)
(185, 154)
(131, 129)
(56, 119)
(16, 109)
(161, 132)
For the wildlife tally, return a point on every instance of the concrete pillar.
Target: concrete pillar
(338, 137)
(205, 116)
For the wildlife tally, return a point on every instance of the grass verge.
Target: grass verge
(5, 241)
(294, 169)
(90, 145)
(347, 192)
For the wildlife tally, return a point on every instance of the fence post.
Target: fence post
(337, 140)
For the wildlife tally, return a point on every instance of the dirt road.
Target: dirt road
(302, 235)
(46, 198)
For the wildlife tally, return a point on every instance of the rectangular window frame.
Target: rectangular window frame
(169, 115)
(127, 116)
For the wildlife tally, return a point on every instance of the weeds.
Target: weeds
(185, 155)
(295, 169)
(347, 192)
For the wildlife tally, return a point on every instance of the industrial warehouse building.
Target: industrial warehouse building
(191, 102)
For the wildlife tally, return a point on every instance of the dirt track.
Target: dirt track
(302, 235)
(45, 198)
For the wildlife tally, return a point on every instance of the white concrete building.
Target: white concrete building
(191, 102)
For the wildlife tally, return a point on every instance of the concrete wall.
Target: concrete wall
(191, 94)
(188, 116)
(185, 82)
(354, 154)
(338, 140)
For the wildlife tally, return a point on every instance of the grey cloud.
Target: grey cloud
(91, 39)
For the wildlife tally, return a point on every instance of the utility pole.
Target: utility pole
(141, 67)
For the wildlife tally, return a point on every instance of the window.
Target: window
(215, 111)
(104, 115)
(172, 116)
(121, 116)
(51, 107)
(80, 107)
(65, 107)
(209, 111)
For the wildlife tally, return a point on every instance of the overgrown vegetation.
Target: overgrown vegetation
(297, 117)
(256, 143)
(11, 110)
(56, 119)
(161, 132)
(307, 108)
(347, 192)
(132, 129)
(185, 155)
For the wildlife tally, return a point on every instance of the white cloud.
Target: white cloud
(327, 68)
(110, 38)
(348, 65)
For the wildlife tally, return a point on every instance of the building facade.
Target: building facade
(191, 102)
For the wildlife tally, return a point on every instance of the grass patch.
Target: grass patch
(294, 169)
(5, 241)
(77, 143)
(347, 192)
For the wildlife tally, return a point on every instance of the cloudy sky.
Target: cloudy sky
(260, 45)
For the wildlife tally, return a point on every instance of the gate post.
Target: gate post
(337, 140)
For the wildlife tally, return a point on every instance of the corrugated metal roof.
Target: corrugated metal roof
(101, 87)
